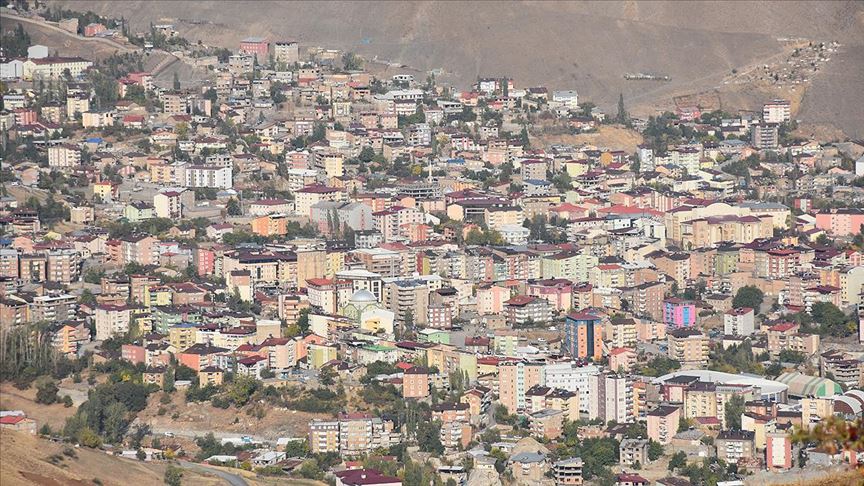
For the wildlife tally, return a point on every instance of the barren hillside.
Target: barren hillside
(27, 460)
(582, 45)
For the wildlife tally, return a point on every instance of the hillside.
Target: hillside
(587, 45)
(28, 460)
(196, 419)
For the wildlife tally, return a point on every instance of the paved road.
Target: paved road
(100, 40)
(232, 479)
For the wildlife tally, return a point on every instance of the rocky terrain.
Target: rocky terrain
(587, 45)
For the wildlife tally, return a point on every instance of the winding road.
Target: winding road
(232, 479)
(54, 28)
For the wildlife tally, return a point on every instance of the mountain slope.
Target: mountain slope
(582, 45)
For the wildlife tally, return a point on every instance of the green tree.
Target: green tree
(297, 448)
(351, 62)
(303, 321)
(176, 81)
(655, 450)
(524, 138)
(233, 207)
(679, 459)
(733, 410)
(366, 155)
(115, 422)
(173, 475)
(327, 376)
(832, 321)
(46, 391)
(748, 296)
(621, 117)
(429, 437)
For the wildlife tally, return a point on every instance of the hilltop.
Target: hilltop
(587, 46)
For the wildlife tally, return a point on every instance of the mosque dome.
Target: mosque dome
(363, 297)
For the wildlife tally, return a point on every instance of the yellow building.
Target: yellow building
(182, 337)
(334, 262)
(814, 409)
(103, 191)
(332, 165)
(570, 265)
(320, 354)
(157, 296)
(495, 218)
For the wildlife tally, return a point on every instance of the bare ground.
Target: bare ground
(606, 136)
(26, 461)
(199, 418)
(588, 46)
(54, 415)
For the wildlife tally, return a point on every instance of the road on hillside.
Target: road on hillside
(232, 479)
(54, 28)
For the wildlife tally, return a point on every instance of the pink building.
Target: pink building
(255, 45)
(205, 261)
(558, 292)
(622, 359)
(678, 313)
(91, 30)
(663, 423)
(25, 116)
(841, 222)
(778, 451)
(491, 298)
(133, 353)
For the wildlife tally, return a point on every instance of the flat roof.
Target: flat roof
(766, 387)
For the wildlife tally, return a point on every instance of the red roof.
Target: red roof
(783, 327)
(11, 419)
(521, 300)
(251, 360)
(631, 478)
(359, 477)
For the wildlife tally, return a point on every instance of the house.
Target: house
(18, 422)
(528, 467)
(631, 479)
(663, 423)
(547, 424)
(568, 472)
(733, 445)
(632, 451)
(415, 382)
(365, 477)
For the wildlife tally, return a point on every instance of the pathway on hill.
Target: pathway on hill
(50, 26)
(232, 479)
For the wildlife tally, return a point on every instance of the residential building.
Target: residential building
(689, 347)
(739, 322)
(734, 445)
(663, 423)
(583, 336)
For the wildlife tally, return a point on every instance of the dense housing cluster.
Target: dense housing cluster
(437, 291)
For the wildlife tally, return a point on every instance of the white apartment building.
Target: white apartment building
(64, 156)
(567, 99)
(739, 322)
(112, 320)
(205, 176)
(573, 378)
(776, 111)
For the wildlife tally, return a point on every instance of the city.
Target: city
(277, 262)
